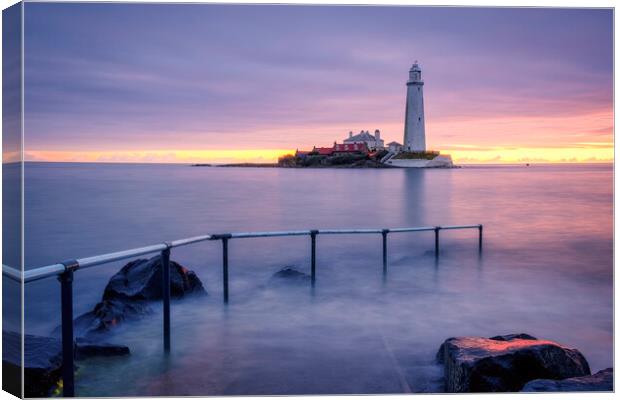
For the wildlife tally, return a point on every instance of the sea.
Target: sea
(545, 268)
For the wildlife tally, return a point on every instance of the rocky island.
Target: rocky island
(367, 150)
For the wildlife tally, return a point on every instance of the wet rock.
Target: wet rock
(86, 349)
(289, 275)
(505, 363)
(107, 314)
(11, 360)
(129, 292)
(42, 361)
(142, 280)
(602, 381)
(505, 338)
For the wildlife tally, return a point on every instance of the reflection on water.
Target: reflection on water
(546, 269)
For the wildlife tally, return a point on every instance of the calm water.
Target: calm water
(546, 269)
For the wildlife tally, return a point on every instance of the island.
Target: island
(366, 150)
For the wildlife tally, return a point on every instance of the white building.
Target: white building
(374, 142)
(394, 147)
(415, 137)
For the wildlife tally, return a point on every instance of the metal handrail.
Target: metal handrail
(460, 226)
(419, 229)
(64, 271)
(12, 273)
(242, 235)
(348, 231)
(88, 262)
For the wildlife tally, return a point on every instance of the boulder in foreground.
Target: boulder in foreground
(43, 359)
(602, 381)
(506, 363)
(142, 280)
(129, 292)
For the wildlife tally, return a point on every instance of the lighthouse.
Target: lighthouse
(415, 138)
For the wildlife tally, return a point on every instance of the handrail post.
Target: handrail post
(480, 237)
(313, 234)
(437, 228)
(225, 268)
(165, 263)
(66, 304)
(384, 236)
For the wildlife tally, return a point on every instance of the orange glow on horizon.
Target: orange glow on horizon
(491, 139)
(161, 156)
(461, 154)
(501, 155)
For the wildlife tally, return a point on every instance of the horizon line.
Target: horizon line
(590, 162)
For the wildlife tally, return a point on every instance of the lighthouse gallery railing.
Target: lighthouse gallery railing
(65, 270)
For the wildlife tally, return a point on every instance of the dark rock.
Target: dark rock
(142, 280)
(290, 275)
(602, 381)
(86, 349)
(505, 364)
(107, 314)
(11, 363)
(129, 292)
(43, 359)
(524, 336)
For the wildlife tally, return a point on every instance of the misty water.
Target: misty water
(545, 269)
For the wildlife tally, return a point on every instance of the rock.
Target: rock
(505, 363)
(505, 338)
(106, 315)
(129, 292)
(142, 280)
(290, 275)
(602, 381)
(43, 359)
(86, 349)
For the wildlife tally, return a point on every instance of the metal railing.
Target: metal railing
(64, 272)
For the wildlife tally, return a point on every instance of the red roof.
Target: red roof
(351, 148)
(324, 151)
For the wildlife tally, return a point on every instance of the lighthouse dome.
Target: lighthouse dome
(415, 73)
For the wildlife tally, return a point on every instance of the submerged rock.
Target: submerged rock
(289, 275)
(43, 359)
(602, 381)
(506, 363)
(129, 292)
(86, 349)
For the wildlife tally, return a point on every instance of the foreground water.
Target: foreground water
(546, 269)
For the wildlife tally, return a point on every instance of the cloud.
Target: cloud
(145, 78)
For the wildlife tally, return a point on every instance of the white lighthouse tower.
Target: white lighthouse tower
(415, 137)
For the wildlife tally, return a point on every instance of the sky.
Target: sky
(228, 83)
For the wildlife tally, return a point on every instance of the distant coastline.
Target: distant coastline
(356, 165)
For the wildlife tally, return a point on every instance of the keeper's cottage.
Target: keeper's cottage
(374, 142)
